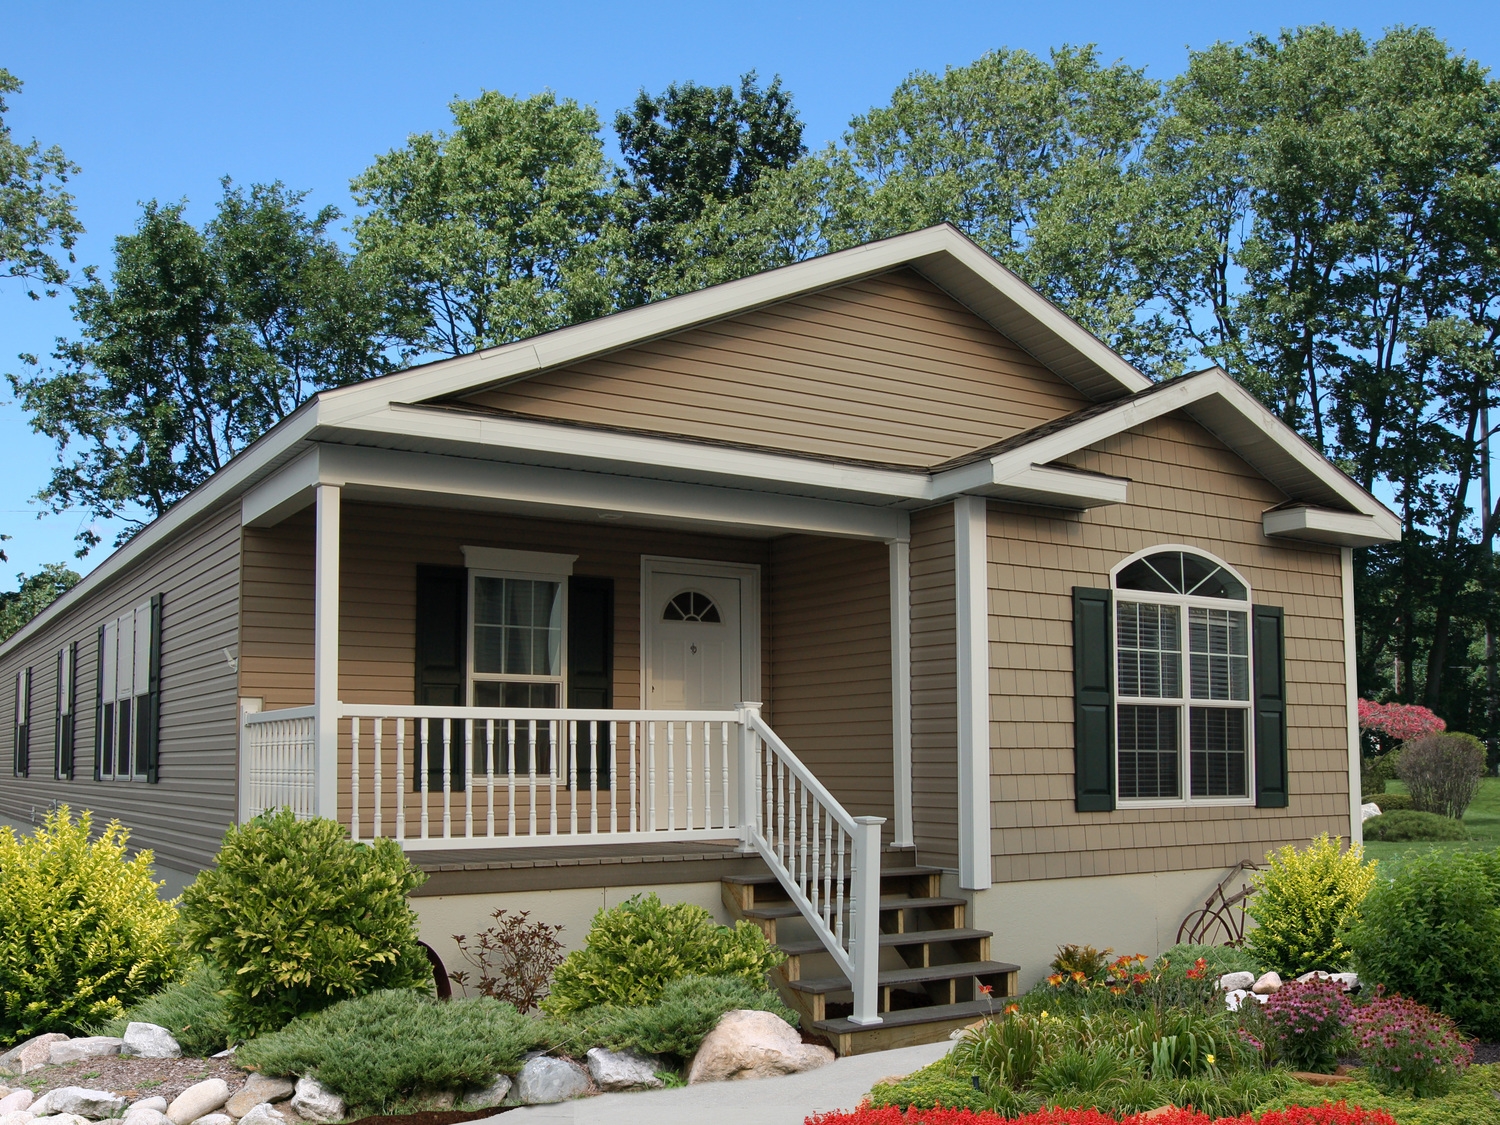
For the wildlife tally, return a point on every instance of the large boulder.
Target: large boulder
(17, 1099)
(751, 1044)
(198, 1100)
(79, 1100)
(214, 1119)
(1231, 981)
(263, 1114)
(622, 1070)
(158, 1103)
(484, 1097)
(29, 1055)
(257, 1089)
(1267, 985)
(150, 1041)
(314, 1101)
(16, 1117)
(86, 1047)
(545, 1080)
(151, 1116)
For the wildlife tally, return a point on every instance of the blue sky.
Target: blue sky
(161, 100)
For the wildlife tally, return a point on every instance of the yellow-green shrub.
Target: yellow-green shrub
(1303, 902)
(83, 933)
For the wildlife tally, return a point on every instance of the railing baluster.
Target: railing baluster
(671, 781)
(708, 778)
(554, 743)
(593, 776)
(489, 777)
(531, 767)
(634, 823)
(687, 757)
(827, 868)
(802, 841)
(724, 776)
(447, 726)
(379, 723)
(400, 778)
(838, 917)
(468, 779)
(424, 770)
(572, 727)
(354, 778)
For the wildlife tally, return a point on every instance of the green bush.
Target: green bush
(1408, 824)
(635, 950)
(1221, 959)
(943, 1084)
(1303, 902)
(83, 934)
(687, 1010)
(296, 916)
(1392, 802)
(195, 1010)
(1432, 933)
(1375, 772)
(1443, 772)
(1469, 1103)
(388, 1046)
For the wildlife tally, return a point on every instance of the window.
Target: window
(1182, 680)
(129, 661)
(21, 763)
(67, 700)
(690, 605)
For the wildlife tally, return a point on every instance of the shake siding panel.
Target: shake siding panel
(1036, 558)
(889, 369)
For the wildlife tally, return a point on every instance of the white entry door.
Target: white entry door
(693, 640)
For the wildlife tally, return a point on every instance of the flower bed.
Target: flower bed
(1337, 1113)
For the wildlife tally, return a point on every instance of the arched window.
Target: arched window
(690, 605)
(1182, 679)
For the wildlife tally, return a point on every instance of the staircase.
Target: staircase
(931, 963)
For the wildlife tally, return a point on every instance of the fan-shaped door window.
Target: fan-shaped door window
(690, 605)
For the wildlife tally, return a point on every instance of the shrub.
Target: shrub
(687, 1010)
(83, 934)
(1083, 959)
(1392, 802)
(515, 959)
(1469, 1103)
(296, 916)
(380, 1048)
(1408, 824)
(1442, 772)
(1408, 1046)
(1375, 772)
(1432, 933)
(1217, 959)
(1307, 1018)
(194, 1010)
(1303, 902)
(1390, 724)
(1008, 1051)
(636, 949)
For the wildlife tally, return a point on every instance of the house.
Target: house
(871, 598)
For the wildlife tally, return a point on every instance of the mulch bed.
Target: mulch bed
(132, 1077)
(433, 1117)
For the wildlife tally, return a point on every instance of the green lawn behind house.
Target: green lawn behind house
(1482, 820)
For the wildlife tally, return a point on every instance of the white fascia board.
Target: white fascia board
(1034, 484)
(1319, 525)
(288, 490)
(430, 476)
(600, 449)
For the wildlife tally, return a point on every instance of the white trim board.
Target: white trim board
(751, 672)
(972, 620)
(544, 564)
(1351, 696)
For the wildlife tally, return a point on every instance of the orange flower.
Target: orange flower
(1012, 1009)
(986, 988)
(1055, 979)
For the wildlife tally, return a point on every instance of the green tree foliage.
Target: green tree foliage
(492, 232)
(32, 595)
(202, 340)
(36, 212)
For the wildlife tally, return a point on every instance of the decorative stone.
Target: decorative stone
(151, 1116)
(316, 1102)
(61, 1119)
(150, 1041)
(86, 1047)
(1267, 984)
(30, 1054)
(1350, 981)
(257, 1089)
(16, 1117)
(158, 1103)
(214, 1119)
(263, 1114)
(1231, 981)
(197, 1100)
(84, 1102)
(1367, 810)
(545, 1080)
(1235, 997)
(483, 1097)
(750, 1044)
(5, 1091)
(622, 1070)
(17, 1099)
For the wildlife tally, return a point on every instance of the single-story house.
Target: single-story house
(870, 597)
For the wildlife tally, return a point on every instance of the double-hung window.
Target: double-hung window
(1182, 680)
(21, 761)
(129, 655)
(67, 703)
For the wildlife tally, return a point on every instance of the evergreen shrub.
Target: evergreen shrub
(1409, 824)
(1304, 901)
(195, 1010)
(83, 933)
(1392, 802)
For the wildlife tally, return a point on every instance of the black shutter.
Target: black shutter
(442, 664)
(1271, 789)
(67, 706)
(1093, 701)
(101, 747)
(22, 763)
(150, 723)
(591, 646)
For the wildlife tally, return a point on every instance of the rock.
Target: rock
(83, 1102)
(483, 1097)
(152, 1116)
(263, 1114)
(17, 1099)
(1267, 984)
(1316, 974)
(1367, 810)
(87, 1047)
(1350, 981)
(286, 1110)
(622, 1070)
(316, 1102)
(197, 1100)
(150, 1041)
(16, 1117)
(214, 1119)
(157, 1103)
(226, 1053)
(545, 1080)
(30, 1054)
(259, 1088)
(1235, 997)
(750, 1044)
(1230, 981)
(5, 1092)
(61, 1119)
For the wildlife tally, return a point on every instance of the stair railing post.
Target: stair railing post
(864, 909)
(747, 765)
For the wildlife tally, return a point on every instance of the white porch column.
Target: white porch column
(1351, 696)
(971, 611)
(326, 650)
(900, 553)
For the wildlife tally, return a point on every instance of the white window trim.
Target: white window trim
(1184, 703)
(519, 564)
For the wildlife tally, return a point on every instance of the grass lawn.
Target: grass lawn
(1482, 819)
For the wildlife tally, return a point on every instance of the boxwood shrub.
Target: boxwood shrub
(1409, 824)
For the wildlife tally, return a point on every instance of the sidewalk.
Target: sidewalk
(769, 1101)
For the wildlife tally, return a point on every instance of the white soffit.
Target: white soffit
(1323, 526)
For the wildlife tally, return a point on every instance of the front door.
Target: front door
(693, 640)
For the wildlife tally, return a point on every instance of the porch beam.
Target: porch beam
(971, 612)
(900, 566)
(326, 650)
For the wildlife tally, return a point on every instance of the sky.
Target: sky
(159, 101)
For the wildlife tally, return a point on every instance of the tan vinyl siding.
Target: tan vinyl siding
(831, 670)
(888, 369)
(934, 688)
(1186, 488)
(184, 815)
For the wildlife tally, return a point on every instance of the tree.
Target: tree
(36, 212)
(490, 233)
(32, 595)
(202, 340)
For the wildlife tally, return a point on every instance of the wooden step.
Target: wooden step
(920, 975)
(904, 1029)
(913, 937)
(887, 905)
(935, 984)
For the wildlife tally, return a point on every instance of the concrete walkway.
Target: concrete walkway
(769, 1101)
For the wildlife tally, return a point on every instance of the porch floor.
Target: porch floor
(491, 870)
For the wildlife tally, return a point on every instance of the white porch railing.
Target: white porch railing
(472, 777)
